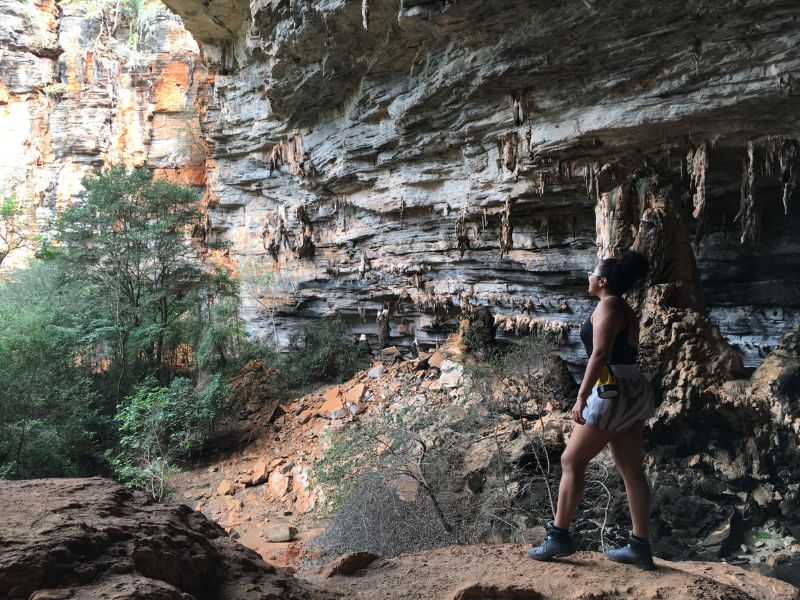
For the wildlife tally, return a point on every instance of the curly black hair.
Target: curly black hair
(623, 272)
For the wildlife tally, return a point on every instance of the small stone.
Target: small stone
(225, 488)
(348, 564)
(376, 372)
(354, 394)
(436, 359)
(259, 473)
(332, 405)
(306, 415)
(480, 456)
(279, 484)
(451, 374)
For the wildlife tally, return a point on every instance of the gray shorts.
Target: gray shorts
(635, 401)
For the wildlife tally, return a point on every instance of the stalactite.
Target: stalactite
(202, 228)
(528, 307)
(506, 229)
(789, 157)
(291, 154)
(749, 210)
(363, 266)
(697, 162)
(589, 179)
(771, 146)
(274, 237)
(304, 245)
(507, 148)
(524, 325)
(276, 158)
(462, 231)
(382, 318)
(365, 14)
(520, 107)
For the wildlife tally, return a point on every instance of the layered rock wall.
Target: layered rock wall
(410, 155)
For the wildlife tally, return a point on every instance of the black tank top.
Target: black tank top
(622, 353)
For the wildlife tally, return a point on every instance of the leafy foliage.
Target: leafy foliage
(159, 425)
(126, 244)
(119, 342)
(323, 351)
(102, 337)
(12, 234)
(48, 408)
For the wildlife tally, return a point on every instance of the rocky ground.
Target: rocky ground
(92, 538)
(265, 494)
(503, 571)
(709, 502)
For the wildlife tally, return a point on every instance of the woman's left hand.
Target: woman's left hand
(577, 411)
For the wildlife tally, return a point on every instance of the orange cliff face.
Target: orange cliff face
(73, 100)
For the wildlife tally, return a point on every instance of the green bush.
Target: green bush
(323, 351)
(160, 425)
(55, 90)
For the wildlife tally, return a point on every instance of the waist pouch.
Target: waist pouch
(606, 385)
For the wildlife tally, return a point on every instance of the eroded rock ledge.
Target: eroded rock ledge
(93, 538)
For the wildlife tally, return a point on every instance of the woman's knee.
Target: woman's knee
(571, 462)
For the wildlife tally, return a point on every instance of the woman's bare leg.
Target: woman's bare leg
(584, 444)
(627, 451)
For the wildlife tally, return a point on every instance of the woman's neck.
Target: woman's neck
(603, 294)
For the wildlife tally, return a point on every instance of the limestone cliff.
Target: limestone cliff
(409, 154)
(80, 90)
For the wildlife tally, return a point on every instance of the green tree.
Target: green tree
(12, 236)
(127, 243)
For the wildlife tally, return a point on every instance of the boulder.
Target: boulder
(279, 532)
(259, 473)
(93, 538)
(452, 373)
(226, 487)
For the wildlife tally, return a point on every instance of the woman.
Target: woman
(603, 417)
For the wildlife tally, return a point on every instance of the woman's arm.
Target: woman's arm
(606, 322)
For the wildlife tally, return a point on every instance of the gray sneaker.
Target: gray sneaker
(635, 553)
(556, 544)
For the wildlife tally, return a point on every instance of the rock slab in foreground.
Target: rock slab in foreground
(93, 538)
(505, 572)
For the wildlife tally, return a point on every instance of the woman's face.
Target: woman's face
(596, 282)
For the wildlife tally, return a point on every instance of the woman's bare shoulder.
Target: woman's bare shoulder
(611, 308)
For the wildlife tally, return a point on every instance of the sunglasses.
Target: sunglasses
(595, 274)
